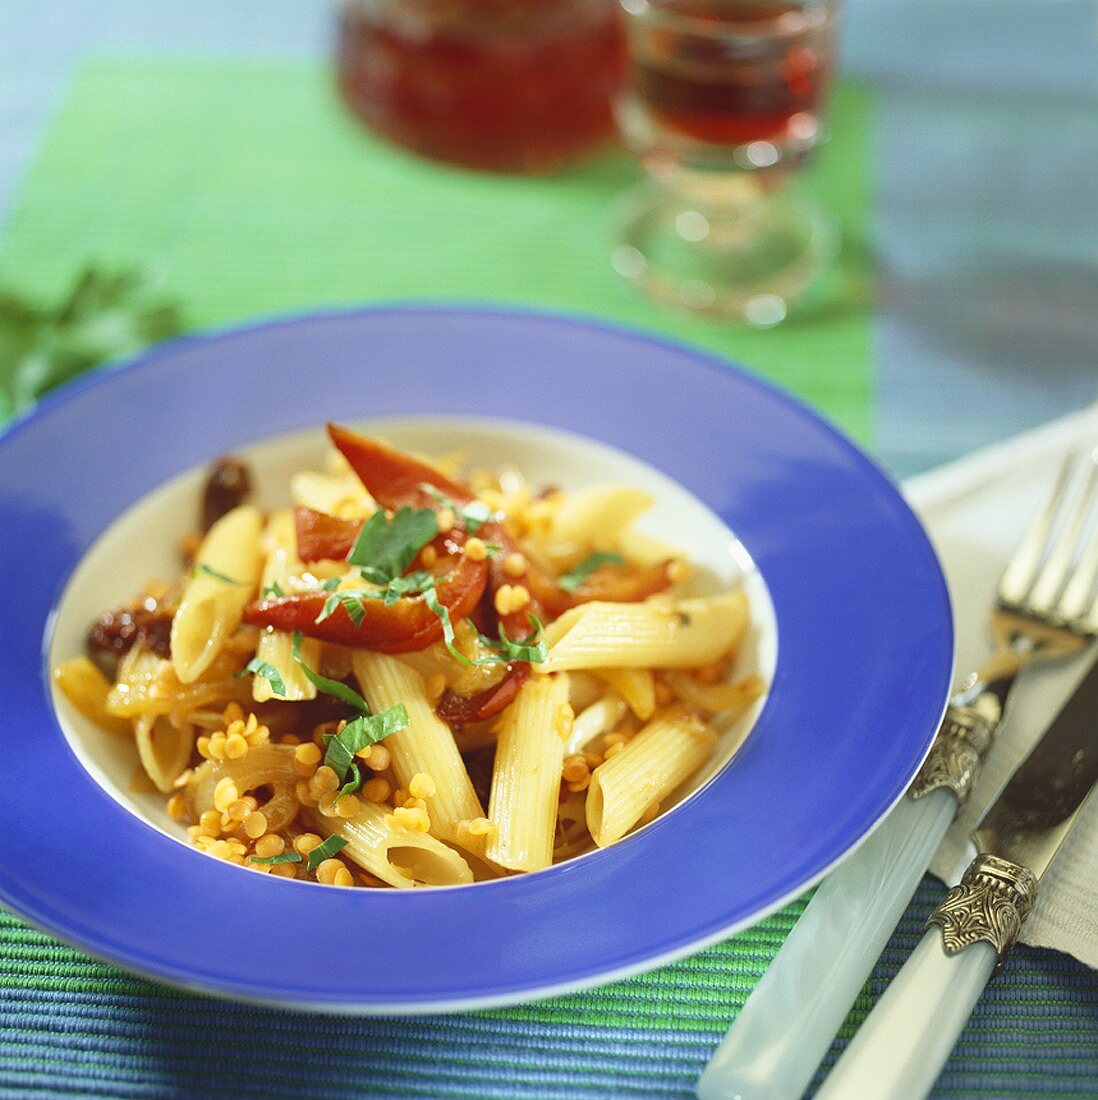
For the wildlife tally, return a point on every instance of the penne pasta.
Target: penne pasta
(600, 717)
(526, 779)
(645, 771)
(645, 550)
(147, 684)
(397, 855)
(590, 518)
(222, 582)
(275, 647)
(716, 698)
(426, 747)
(338, 494)
(584, 688)
(264, 766)
(659, 633)
(637, 686)
(87, 689)
(164, 750)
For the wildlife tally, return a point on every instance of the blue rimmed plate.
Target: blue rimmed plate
(859, 645)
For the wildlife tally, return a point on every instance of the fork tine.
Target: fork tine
(1062, 554)
(1080, 601)
(1021, 570)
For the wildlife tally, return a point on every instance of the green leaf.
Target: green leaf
(353, 783)
(202, 567)
(282, 857)
(104, 317)
(351, 601)
(330, 585)
(268, 672)
(473, 515)
(430, 596)
(322, 683)
(575, 576)
(413, 584)
(359, 733)
(272, 589)
(325, 850)
(532, 648)
(385, 547)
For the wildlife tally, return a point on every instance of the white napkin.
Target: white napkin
(976, 510)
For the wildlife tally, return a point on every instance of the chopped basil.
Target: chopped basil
(283, 857)
(473, 515)
(532, 648)
(359, 733)
(325, 850)
(322, 683)
(350, 600)
(575, 576)
(268, 672)
(273, 589)
(353, 783)
(385, 547)
(413, 584)
(330, 585)
(202, 567)
(430, 597)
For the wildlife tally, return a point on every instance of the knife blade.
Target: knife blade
(903, 1044)
(1036, 808)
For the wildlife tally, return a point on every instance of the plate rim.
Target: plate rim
(596, 975)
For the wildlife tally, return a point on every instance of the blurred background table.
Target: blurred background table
(206, 138)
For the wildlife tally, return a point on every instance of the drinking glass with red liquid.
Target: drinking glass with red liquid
(504, 85)
(723, 105)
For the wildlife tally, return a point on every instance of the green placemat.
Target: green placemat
(258, 194)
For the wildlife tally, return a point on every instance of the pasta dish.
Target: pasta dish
(413, 677)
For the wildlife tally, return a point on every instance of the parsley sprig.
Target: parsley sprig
(103, 316)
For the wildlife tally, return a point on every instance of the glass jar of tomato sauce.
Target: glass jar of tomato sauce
(505, 85)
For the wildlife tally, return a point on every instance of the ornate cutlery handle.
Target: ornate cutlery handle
(785, 1028)
(901, 1048)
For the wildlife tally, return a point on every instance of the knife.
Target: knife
(903, 1044)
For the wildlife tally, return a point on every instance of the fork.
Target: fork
(1045, 609)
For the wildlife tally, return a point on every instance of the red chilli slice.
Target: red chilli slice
(460, 709)
(320, 535)
(407, 625)
(392, 478)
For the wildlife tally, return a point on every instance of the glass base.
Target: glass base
(749, 257)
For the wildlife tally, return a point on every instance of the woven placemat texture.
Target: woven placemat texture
(257, 195)
(72, 1026)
